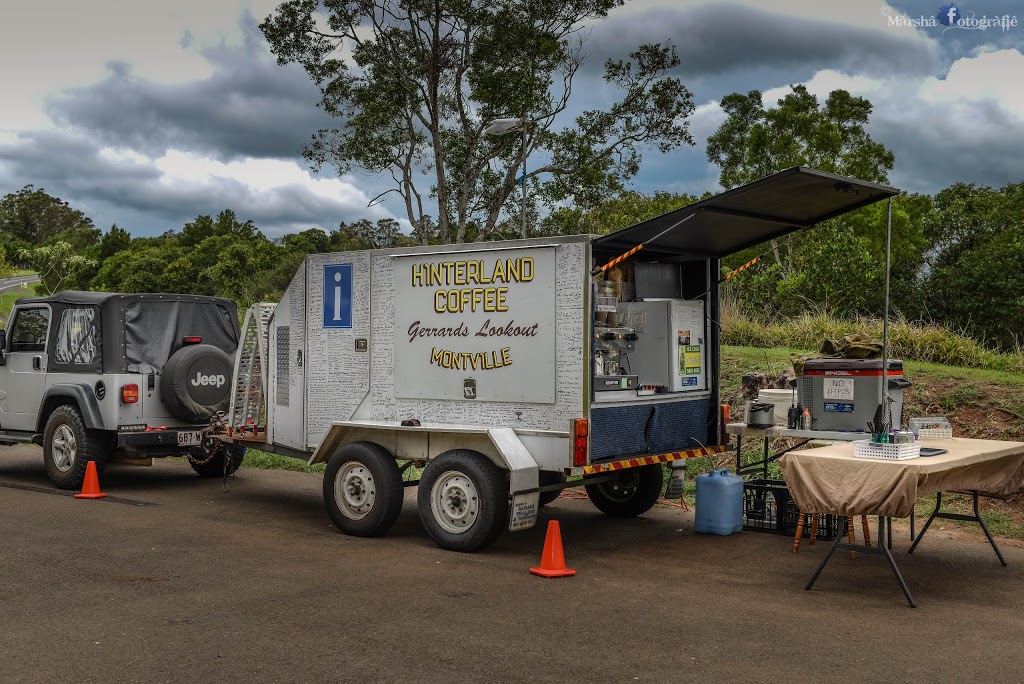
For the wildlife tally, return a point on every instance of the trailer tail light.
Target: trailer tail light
(191, 340)
(581, 437)
(130, 393)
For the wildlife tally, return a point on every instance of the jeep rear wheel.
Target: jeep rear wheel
(209, 463)
(68, 447)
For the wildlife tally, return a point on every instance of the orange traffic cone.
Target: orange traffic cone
(91, 486)
(552, 561)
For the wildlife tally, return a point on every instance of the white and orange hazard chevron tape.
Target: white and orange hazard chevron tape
(638, 461)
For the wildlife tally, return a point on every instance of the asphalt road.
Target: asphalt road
(173, 580)
(7, 284)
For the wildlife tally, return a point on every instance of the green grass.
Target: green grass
(262, 460)
(747, 358)
(998, 522)
(908, 340)
(7, 300)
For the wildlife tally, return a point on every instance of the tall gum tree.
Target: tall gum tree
(414, 84)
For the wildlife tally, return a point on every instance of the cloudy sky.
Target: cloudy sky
(147, 114)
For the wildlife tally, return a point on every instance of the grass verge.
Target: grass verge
(907, 339)
(7, 300)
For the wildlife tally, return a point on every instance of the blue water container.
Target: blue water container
(719, 503)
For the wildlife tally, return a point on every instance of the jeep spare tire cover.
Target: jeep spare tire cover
(196, 382)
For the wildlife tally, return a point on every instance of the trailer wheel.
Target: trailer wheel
(629, 493)
(550, 479)
(463, 500)
(363, 489)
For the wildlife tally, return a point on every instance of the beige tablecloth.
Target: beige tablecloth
(832, 480)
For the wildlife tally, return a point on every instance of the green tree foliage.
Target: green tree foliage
(220, 256)
(58, 265)
(414, 85)
(754, 142)
(115, 240)
(34, 217)
(975, 274)
(841, 264)
(6, 269)
(627, 209)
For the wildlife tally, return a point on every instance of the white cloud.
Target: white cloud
(259, 179)
(966, 126)
(990, 77)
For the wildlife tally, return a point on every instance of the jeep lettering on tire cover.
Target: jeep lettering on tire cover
(196, 382)
(207, 380)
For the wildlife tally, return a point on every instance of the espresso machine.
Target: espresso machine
(611, 348)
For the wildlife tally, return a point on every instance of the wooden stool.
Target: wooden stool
(814, 530)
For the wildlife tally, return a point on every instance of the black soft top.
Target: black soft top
(137, 333)
(98, 298)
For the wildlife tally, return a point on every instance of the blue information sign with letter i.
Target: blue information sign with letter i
(338, 296)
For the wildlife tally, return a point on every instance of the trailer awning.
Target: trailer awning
(749, 214)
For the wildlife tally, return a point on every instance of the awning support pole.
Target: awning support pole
(885, 319)
(626, 255)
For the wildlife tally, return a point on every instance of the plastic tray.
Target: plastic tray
(886, 452)
(934, 433)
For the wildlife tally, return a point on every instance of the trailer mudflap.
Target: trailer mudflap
(524, 478)
(523, 515)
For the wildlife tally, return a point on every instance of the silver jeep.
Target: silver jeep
(90, 374)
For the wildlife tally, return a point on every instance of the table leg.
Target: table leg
(882, 549)
(832, 549)
(851, 535)
(984, 529)
(959, 516)
(912, 523)
(888, 524)
(765, 470)
(739, 451)
(892, 563)
(927, 524)
(867, 530)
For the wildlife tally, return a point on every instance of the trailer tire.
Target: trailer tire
(363, 489)
(550, 479)
(68, 447)
(630, 493)
(463, 500)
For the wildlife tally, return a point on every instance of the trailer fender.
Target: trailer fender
(524, 478)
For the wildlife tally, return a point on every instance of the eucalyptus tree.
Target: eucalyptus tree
(414, 84)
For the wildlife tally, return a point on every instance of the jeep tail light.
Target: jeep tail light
(191, 340)
(130, 393)
(581, 435)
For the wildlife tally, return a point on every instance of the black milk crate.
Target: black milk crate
(767, 507)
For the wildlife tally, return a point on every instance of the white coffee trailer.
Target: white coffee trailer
(502, 368)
